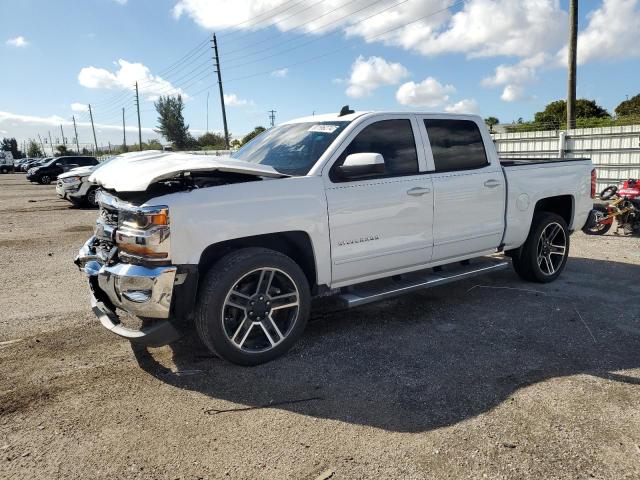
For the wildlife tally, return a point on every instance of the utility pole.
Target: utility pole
(139, 127)
(95, 142)
(51, 144)
(272, 117)
(573, 47)
(75, 130)
(62, 132)
(208, 111)
(124, 133)
(224, 113)
(41, 144)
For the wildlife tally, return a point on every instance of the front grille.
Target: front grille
(109, 216)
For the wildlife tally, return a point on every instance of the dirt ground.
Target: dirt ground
(488, 378)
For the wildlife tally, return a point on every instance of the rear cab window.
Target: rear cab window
(456, 145)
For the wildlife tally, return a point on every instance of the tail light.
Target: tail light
(594, 179)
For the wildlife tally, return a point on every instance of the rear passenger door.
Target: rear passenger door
(469, 188)
(382, 223)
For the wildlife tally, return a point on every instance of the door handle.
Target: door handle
(417, 191)
(493, 183)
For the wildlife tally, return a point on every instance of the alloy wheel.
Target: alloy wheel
(260, 310)
(552, 248)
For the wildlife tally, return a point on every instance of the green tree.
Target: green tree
(555, 113)
(11, 145)
(62, 150)
(34, 150)
(235, 143)
(491, 122)
(629, 107)
(253, 134)
(152, 144)
(211, 141)
(171, 121)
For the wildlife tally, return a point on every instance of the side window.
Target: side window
(456, 145)
(393, 139)
(84, 162)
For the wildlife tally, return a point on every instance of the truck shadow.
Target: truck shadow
(433, 358)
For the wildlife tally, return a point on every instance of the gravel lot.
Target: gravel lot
(488, 378)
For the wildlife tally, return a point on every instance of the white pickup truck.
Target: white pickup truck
(361, 206)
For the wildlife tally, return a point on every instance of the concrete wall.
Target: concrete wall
(615, 151)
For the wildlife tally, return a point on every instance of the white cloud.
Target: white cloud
(16, 119)
(613, 31)
(121, 2)
(512, 93)
(428, 93)
(232, 100)
(374, 72)
(513, 78)
(468, 105)
(281, 73)
(79, 107)
(124, 78)
(19, 42)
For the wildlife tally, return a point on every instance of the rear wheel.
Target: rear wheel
(598, 213)
(253, 306)
(608, 192)
(4, 170)
(544, 254)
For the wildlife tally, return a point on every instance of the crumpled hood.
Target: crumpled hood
(78, 172)
(134, 172)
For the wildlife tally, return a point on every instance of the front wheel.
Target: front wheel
(544, 254)
(253, 306)
(44, 180)
(91, 198)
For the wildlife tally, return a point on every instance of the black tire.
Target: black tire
(90, 198)
(526, 258)
(608, 192)
(4, 170)
(44, 180)
(216, 320)
(592, 228)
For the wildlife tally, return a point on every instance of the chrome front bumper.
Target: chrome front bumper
(142, 291)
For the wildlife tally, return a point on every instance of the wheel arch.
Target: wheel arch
(295, 244)
(563, 205)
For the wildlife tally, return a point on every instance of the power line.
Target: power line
(339, 19)
(311, 40)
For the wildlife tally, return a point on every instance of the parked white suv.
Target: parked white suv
(362, 206)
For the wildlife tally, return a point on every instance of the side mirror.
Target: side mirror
(362, 165)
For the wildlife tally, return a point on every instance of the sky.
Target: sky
(502, 58)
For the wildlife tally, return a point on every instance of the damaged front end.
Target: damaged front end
(128, 265)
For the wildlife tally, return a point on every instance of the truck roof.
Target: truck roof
(335, 117)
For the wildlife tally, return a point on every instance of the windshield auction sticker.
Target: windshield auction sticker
(323, 128)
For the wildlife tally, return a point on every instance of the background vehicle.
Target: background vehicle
(6, 161)
(624, 207)
(17, 164)
(362, 206)
(48, 172)
(75, 186)
(32, 162)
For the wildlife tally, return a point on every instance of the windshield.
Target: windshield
(46, 162)
(291, 148)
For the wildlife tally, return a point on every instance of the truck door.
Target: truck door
(381, 223)
(469, 188)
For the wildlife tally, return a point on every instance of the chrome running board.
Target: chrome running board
(377, 290)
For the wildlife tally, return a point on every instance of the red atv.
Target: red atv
(624, 206)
